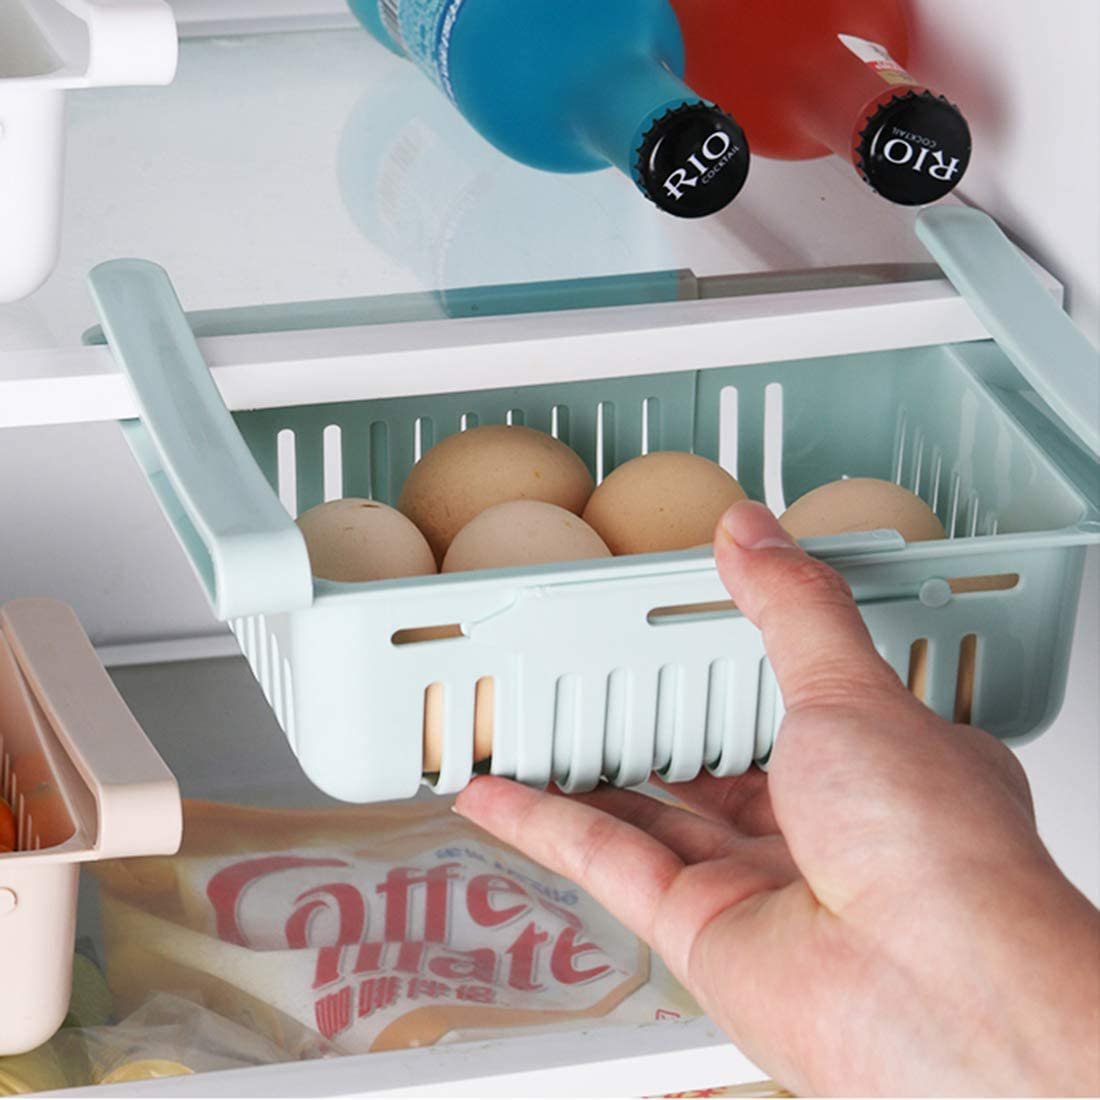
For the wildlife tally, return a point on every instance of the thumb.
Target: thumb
(816, 640)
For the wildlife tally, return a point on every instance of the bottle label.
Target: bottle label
(870, 53)
(693, 160)
(422, 28)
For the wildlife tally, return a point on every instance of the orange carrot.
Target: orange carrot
(7, 828)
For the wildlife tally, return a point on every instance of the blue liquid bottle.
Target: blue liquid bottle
(575, 85)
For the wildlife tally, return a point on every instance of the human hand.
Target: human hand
(877, 914)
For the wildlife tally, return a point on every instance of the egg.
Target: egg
(711, 609)
(356, 540)
(522, 532)
(484, 702)
(666, 500)
(996, 582)
(868, 504)
(515, 532)
(861, 504)
(968, 652)
(966, 672)
(411, 635)
(917, 682)
(470, 471)
(964, 685)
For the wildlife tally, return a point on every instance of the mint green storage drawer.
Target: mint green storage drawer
(595, 672)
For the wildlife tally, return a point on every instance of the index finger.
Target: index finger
(625, 869)
(635, 877)
(816, 640)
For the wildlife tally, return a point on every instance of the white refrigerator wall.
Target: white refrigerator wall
(1027, 75)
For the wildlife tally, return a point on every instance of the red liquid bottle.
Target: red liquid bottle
(809, 77)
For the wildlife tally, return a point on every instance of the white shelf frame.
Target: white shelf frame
(645, 1060)
(267, 370)
(202, 18)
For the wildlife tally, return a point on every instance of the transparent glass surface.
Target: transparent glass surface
(316, 165)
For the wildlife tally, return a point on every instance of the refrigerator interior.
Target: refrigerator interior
(246, 179)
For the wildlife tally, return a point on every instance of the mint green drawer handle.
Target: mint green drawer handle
(1053, 355)
(248, 553)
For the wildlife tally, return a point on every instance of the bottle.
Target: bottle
(811, 77)
(575, 85)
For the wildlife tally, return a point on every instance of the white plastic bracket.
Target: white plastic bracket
(46, 48)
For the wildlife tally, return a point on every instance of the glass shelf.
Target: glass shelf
(317, 165)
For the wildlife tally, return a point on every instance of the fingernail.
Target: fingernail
(752, 526)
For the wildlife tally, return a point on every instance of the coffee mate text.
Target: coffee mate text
(406, 924)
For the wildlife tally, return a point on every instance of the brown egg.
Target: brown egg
(917, 682)
(964, 686)
(712, 608)
(968, 649)
(861, 504)
(995, 582)
(522, 532)
(515, 532)
(666, 500)
(470, 471)
(363, 540)
(966, 671)
(484, 701)
(414, 634)
(868, 504)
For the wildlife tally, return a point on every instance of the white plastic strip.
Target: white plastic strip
(268, 370)
(198, 18)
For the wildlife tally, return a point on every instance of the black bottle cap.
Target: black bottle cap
(914, 149)
(692, 161)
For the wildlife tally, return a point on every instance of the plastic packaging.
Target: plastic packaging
(166, 1036)
(377, 928)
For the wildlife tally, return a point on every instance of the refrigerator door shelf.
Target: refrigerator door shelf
(46, 48)
(84, 783)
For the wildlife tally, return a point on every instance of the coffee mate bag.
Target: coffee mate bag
(370, 928)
